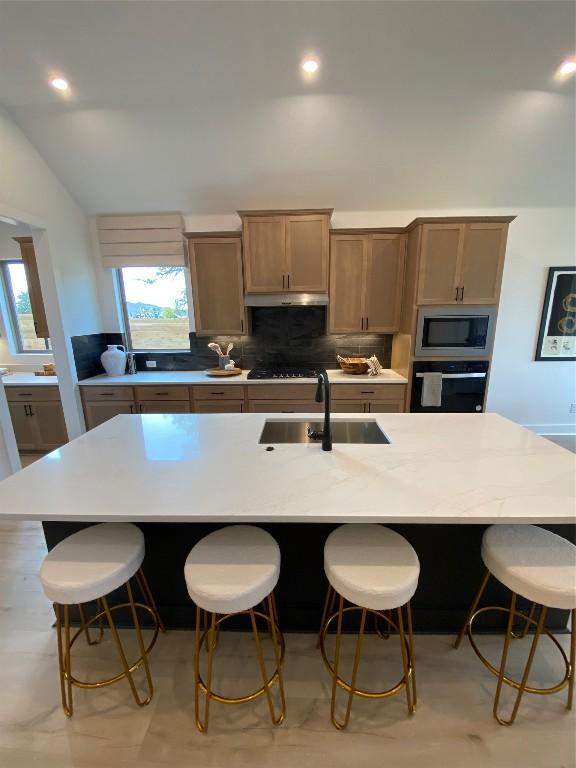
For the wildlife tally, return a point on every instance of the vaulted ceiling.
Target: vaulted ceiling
(200, 107)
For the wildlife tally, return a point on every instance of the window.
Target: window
(155, 305)
(18, 302)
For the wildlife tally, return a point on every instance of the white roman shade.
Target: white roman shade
(142, 240)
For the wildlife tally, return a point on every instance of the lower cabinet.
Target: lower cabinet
(285, 406)
(221, 406)
(170, 406)
(38, 420)
(347, 406)
(362, 398)
(97, 413)
(386, 406)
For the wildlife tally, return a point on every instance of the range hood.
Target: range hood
(286, 299)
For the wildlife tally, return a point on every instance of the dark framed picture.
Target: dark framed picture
(557, 337)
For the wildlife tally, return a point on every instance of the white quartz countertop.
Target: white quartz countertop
(438, 468)
(27, 380)
(199, 377)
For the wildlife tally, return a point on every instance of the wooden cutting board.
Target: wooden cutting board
(223, 372)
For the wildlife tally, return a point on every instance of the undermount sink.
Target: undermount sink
(366, 431)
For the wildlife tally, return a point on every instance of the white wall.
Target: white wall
(30, 192)
(536, 394)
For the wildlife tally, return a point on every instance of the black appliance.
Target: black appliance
(463, 386)
(284, 372)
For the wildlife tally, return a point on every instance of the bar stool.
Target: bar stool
(86, 567)
(541, 567)
(376, 570)
(229, 573)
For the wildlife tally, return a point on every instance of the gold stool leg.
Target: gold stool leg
(524, 631)
(340, 725)
(149, 597)
(472, 610)
(122, 655)
(141, 645)
(406, 661)
(86, 629)
(412, 657)
(327, 610)
(262, 665)
(502, 674)
(572, 660)
(202, 722)
(275, 628)
(64, 662)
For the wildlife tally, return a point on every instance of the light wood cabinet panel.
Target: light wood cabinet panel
(441, 252)
(49, 425)
(97, 413)
(218, 392)
(100, 394)
(368, 391)
(347, 406)
(217, 284)
(34, 290)
(162, 393)
(35, 393)
(23, 426)
(348, 260)
(384, 283)
(307, 246)
(281, 391)
(482, 263)
(168, 406)
(264, 253)
(208, 406)
(386, 406)
(285, 406)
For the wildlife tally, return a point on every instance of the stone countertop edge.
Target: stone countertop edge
(389, 376)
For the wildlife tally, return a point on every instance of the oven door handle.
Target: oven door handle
(457, 375)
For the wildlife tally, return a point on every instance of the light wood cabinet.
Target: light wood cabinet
(37, 418)
(34, 290)
(366, 398)
(366, 282)
(162, 393)
(461, 263)
(97, 413)
(286, 251)
(285, 406)
(217, 284)
(167, 406)
(224, 406)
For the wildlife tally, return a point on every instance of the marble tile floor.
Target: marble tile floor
(452, 727)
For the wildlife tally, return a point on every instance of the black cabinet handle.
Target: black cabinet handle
(131, 409)
(462, 293)
(366, 323)
(106, 394)
(369, 392)
(30, 411)
(242, 325)
(362, 324)
(216, 393)
(24, 394)
(161, 393)
(283, 278)
(288, 286)
(457, 289)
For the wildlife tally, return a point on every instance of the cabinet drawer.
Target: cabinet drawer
(368, 391)
(226, 406)
(29, 394)
(99, 394)
(347, 406)
(216, 392)
(281, 391)
(392, 406)
(149, 393)
(285, 406)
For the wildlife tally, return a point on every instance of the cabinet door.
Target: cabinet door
(264, 253)
(387, 406)
(440, 257)
(307, 245)
(385, 283)
(216, 272)
(23, 424)
(158, 406)
(285, 406)
(482, 263)
(207, 406)
(49, 425)
(98, 413)
(348, 261)
(347, 406)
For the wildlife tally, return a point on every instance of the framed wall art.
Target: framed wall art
(557, 337)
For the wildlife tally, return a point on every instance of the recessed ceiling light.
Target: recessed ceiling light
(59, 83)
(310, 65)
(567, 67)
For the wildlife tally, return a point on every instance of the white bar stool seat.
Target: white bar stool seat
(230, 572)
(232, 569)
(376, 570)
(533, 562)
(539, 566)
(92, 563)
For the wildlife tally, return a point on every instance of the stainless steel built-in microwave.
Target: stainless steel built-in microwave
(455, 331)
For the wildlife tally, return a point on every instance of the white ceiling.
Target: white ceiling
(200, 107)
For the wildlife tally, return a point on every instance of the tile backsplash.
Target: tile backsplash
(279, 336)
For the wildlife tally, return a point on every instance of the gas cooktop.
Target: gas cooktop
(277, 372)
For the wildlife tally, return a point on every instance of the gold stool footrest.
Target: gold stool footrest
(271, 680)
(121, 675)
(343, 683)
(496, 672)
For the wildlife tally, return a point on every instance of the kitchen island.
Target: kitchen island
(440, 481)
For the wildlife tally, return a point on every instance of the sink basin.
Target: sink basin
(364, 431)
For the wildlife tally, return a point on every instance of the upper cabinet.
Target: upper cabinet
(216, 273)
(366, 282)
(461, 263)
(286, 251)
(34, 291)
